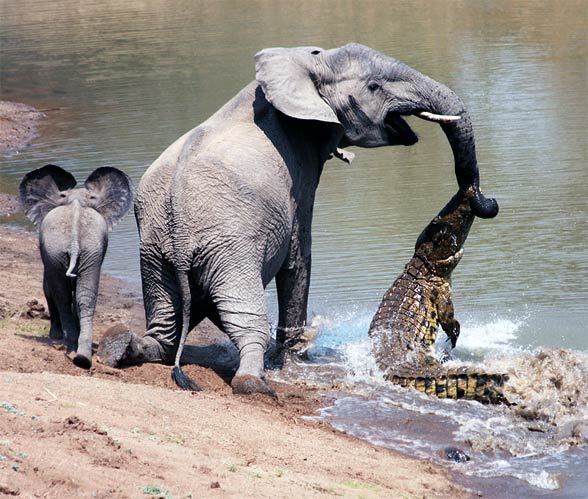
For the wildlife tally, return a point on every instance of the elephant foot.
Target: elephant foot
(114, 349)
(247, 384)
(82, 361)
(119, 347)
(56, 333)
(274, 355)
(83, 356)
(297, 341)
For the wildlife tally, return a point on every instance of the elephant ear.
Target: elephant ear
(42, 190)
(111, 193)
(286, 76)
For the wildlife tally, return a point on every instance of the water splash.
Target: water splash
(341, 328)
(549, 386)
(538, 440)
(360, 364)
(541, 480)
(497, 335)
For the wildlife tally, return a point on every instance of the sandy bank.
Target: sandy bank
(18, 125)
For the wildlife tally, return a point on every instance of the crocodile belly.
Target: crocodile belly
(405, 325)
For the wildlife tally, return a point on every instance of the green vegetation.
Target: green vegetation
(324, 490)
(10, 409)
(33, 326)
(359, 485)
(156, 491)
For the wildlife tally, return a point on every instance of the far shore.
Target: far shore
(18, 127)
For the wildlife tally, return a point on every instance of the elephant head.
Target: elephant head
(107, 190)
(364, 95)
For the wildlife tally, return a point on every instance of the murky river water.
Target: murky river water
(128, 78)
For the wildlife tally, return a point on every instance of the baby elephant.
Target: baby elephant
(73, 236)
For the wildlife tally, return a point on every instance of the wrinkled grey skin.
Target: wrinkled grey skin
(73, 236)
(229, 205)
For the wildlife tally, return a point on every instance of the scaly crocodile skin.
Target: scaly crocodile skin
(404, 328)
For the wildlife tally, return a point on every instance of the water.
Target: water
(537, 446)
(130, 77)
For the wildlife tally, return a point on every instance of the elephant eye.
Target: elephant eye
(62, 195)
(373, 86)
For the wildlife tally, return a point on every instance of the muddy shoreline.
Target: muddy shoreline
(18, 125)
(18, 128)
(121, 427)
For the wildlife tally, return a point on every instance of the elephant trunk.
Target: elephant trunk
(440, 100)
(460, 135)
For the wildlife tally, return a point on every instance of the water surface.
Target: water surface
(128, 78)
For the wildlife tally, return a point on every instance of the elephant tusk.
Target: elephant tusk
(437, 118)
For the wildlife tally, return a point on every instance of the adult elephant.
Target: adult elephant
(228, 206)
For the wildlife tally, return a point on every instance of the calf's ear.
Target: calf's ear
(111, 193)
(42, 190)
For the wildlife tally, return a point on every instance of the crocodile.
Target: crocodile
(405, 326)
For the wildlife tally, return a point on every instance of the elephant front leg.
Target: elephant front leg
(293, 283)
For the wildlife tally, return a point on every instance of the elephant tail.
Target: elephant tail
(74, 246)
(180, 378)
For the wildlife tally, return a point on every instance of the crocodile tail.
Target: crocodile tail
(479, 386)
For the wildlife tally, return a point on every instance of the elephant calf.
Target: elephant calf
(73, 236)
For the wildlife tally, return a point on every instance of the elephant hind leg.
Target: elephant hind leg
(86, 295)
(64, 321)
(56, 331)
(243, 317)
(120, 347)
